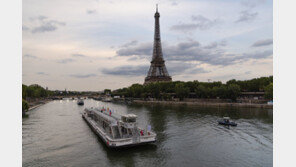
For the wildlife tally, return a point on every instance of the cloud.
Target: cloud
(177, 68)
(199, 71)
(212, 45)
(252, 3)
(186, 28)
(41, 18)
(91, 11)
(82, 75)
(65, 61)
(191, 50)
(78, 55)
(127, 70)
(258, 55)
(174, 68)
(198, 22)
(46, 25)
(174, 2)
(44, 28)
(246, 16)
(30, 56)
(25, 28)
(265, 42)
(141, 50)
(131, 43)
(203, 22)
(215, 45)
(41, 73)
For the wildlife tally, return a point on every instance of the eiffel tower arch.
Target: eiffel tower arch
(157, 71)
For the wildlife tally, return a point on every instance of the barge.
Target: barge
(115, 130)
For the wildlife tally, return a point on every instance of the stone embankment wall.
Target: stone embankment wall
(208, 102)
(37, 102)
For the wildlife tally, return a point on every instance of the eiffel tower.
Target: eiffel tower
(157, 71)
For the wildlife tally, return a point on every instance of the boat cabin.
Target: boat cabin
(129, 118)
(226, 119)
(115, 126)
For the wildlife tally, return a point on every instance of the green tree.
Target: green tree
(233, 91)
(136, 90)
(25, 105)
(201, 91)
(107, 91)
(269, 91)
(181, 90)
(24, 91)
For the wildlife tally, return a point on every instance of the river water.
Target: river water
(56, 135)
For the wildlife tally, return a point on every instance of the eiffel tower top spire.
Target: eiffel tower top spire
(157, 71)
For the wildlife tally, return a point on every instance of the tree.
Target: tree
(107, 91)
(222, 92)
(201, 91)
(233, 91)
(161, 90)
(181, 90)
(153, 89)
(269, 91)
(25, 105)
(136, 90)
(24, 91)
(232, 81)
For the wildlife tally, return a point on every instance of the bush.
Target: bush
(269, 91)
(25, 105)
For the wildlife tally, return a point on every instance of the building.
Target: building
(157, 71)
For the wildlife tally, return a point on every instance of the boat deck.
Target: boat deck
(118, 142)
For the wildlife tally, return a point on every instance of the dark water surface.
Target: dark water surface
(55, 135)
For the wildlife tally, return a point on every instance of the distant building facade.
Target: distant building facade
(157, 71)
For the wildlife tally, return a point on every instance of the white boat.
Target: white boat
(107, 99)
(117, 130)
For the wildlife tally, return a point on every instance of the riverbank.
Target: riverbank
(246, 105)
(38, 103)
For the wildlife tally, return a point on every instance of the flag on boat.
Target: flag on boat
(149, 128)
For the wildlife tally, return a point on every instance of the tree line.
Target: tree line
(34, 91)
(195, 89)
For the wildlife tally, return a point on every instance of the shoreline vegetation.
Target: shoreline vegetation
(255, 91)
(206, 103)
(248, 93)
(33, 96)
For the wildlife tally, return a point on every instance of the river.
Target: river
(56, 135)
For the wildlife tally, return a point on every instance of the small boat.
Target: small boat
(225, 121)
(107, 99)
(97, 98)
(117, 130)
(80, 102)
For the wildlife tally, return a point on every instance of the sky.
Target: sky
(91, 45)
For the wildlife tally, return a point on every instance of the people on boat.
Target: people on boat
(226, 121)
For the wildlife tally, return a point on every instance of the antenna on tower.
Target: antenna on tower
(156, 7)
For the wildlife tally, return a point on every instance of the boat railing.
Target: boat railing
(119, 140)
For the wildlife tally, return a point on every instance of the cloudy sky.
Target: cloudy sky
(97, 44)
